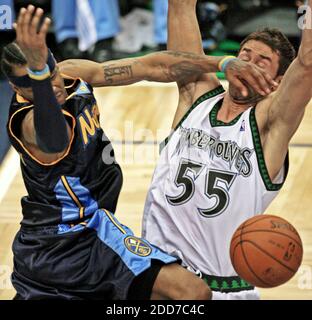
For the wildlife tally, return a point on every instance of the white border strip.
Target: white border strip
(157, 84)
(8, 171)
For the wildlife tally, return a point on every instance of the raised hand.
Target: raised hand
(31, 37)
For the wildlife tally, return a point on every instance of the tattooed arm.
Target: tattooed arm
(166, 66)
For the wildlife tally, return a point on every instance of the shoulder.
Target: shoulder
(190, 92)
(206, 83)
(19, 108)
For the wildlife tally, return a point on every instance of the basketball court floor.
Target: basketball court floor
(136, 118)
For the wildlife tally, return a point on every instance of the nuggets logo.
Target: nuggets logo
(137, 246)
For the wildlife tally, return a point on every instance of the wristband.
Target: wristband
(39, 75)
(225, 61)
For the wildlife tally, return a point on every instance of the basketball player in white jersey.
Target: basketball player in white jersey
(226, 158)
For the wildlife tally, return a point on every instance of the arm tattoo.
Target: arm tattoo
(186, 55)
(184, 70)
(112, 71)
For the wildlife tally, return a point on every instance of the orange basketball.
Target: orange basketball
(266, 251)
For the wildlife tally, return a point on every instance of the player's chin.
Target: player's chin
(252, 97)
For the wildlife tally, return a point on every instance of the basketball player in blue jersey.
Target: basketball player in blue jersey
(227, 156)
(70, 245)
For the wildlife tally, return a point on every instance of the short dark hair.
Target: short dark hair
(11, 55)
(278, 42)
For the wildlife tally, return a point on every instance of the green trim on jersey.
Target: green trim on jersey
(270, 186)
(205, 96)
(227, 284)
(218, 123)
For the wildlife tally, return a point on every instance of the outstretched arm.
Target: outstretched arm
(164, 66)
(281, 118)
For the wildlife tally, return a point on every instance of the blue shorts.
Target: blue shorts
(96, 259)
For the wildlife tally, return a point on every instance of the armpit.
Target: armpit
(27, 129)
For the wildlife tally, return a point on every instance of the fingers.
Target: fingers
(239, 85)
(34, 25)
(25, 20)
(269, 79)
(264, 80)
(258, 79)
(251, 75)
(251, 79)
(260, 84)
(45, 28)
(27, 17)
(19, 24)
(28, 22)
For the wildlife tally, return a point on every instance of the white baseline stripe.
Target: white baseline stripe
(162, 84)
(8, 171)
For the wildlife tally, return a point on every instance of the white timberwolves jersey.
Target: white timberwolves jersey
(211, 176)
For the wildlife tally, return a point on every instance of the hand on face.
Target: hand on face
(31, 36)
(248, 83)
(237, 97)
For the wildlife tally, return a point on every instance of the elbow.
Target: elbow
(56, 145)
(60, 147)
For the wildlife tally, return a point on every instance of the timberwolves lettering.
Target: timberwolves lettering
(229, 151)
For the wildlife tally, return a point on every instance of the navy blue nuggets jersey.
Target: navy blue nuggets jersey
(85, 179)
(70, 245)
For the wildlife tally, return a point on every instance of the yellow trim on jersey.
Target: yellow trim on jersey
(67, 77)
(81, 223)
(73, 94)
(81, 212)
(72, 194)
(28, 152)
(114, 222)
(74, 197)
(21, 99)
